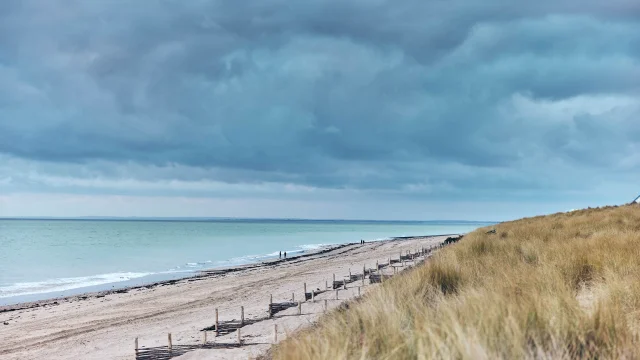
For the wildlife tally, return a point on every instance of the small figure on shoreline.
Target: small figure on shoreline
(361, 241)
(285, 254)
(280, 255)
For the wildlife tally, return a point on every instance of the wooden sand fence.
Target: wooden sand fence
(222, 328)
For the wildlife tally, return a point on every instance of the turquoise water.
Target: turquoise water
(40, 257)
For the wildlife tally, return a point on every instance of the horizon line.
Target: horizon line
(208, 218)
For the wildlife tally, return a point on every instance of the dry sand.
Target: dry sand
(105, 326)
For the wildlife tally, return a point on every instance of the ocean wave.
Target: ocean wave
(315, 246)
(70, 283)
(252, 259)
(63, 284)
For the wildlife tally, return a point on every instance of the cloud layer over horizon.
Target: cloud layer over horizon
(411, 103)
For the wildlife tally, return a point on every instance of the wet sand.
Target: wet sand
(104, 325)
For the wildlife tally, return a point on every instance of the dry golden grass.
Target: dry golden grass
(560, 286)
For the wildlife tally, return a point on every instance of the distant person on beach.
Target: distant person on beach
(285, 254)
(280, 255)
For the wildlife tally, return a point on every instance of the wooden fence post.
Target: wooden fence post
(299, 307)
(275, 333)
(136, 346)
(239, 337)
(313, 296)
(326, 284)
(217, 327)
(305, 291)
(241, 315)
(204, 337)
(270, 305)
(325, 304)
(293, 297)
(358, 291)
(336, 294)
(169, 339)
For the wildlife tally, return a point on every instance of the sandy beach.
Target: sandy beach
(105, 325)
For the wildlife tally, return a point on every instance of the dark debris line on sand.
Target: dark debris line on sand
(227, 327)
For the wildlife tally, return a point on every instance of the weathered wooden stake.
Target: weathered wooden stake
(336, 294)
(270, 303)
(217, 332)
(242, 315)
(325, 304)
(136, 345)
(275, 333)
(293, 297)
(313, 296)
(239, 337)
(334, 278)
(377, 266)
(326, 284)
(170, 344)
(299, 307)
(204, 337)
(349, 273)
(305, 291)
(358, 290)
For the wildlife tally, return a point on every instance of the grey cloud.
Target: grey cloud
(372, 95)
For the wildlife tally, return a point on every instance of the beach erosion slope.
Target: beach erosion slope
(561, 286)
(104, 325)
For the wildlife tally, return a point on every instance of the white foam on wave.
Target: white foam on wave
(252, 259)
(309, 247)
(63, 284)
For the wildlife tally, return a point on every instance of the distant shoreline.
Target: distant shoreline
(178, 277)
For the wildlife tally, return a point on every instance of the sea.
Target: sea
(46, 258)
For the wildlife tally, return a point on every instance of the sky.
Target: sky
(355, 109)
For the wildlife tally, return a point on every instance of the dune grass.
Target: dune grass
(559, 286)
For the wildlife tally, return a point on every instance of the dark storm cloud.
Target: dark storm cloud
(392, 95)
